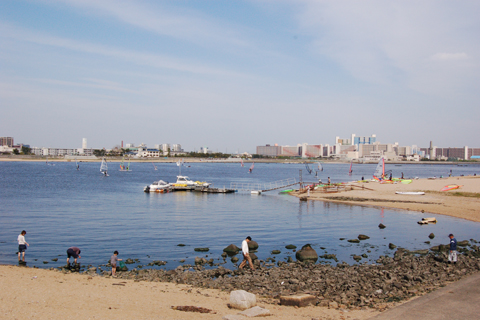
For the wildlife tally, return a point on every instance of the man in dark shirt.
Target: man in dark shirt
(452, 256)
(73, 252)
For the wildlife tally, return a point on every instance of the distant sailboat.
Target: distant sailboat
(76, 164)
(320, 167)
(379, 173)
(49, 163)
(251, 168)
(154, 166)
(308, 168)
(122, 165)
(104, 168)
(241, 162)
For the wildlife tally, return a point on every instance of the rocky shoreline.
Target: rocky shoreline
(390, 279)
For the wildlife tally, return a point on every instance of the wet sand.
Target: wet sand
(30, 293)
(434, 201)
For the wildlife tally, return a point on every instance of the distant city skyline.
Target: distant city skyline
(235, 75)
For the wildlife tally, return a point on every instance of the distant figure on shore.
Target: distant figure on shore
(452, 255)
(329, 180)
(113, 262)
(363, 178)
(391, 176)
(402, 175)
(246, 255)
(22, 245)
(73, 252)
(450, 174)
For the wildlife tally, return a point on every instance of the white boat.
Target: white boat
(257, 192)
(184, 181)
(420, 193)
(159, 186)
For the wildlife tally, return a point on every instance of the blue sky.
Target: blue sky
(231, 75)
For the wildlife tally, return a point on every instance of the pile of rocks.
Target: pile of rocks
(392, 279)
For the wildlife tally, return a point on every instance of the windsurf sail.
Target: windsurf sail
(104, 167)
(128, 165)
(450, 187)
(154, 166)
(379, 173)
(320, 167)
(350, 171)
(122, 166)
(241, 162)
(76, 164)
(251, 167)
(308, 168)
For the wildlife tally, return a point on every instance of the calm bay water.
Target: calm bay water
(62, 207)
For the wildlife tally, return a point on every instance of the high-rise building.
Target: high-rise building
(6, 141)
(84, 143)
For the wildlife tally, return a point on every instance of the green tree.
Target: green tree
(15, 151)
(26, 150)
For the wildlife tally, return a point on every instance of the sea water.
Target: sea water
(60, 207)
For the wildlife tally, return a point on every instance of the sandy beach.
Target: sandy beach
(461, 203)
(45, 294)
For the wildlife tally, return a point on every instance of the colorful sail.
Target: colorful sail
(241, 162)
(251, 167)
(350, 171)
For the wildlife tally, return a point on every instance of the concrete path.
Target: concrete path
(459, 300)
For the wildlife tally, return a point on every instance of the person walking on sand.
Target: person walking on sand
(113, 262)
(73, 252)
(452, 255)
(22, 245)
(246, 255)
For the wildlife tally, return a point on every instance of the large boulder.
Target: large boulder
(252, 245)
(241, 299)
(231, 249)
(363, 237)
(307, 254)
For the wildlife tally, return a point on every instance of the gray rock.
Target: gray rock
(276, 252)
(363, 237)
(290, 247)
(233, 317)
(354, 241)
(231, 249)
(463, 243)
(252, 245)
(391, 246)
(201, 249)
(255, 312)
(234, 260)
(307, 254)
(242, 300)
(431, 235)
(382, 226)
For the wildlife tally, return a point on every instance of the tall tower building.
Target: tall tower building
(84, 143)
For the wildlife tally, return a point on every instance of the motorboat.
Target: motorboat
(159, 186)
(184, 181)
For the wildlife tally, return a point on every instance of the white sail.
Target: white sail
(320, 167)
(380, 169)
(103, 166)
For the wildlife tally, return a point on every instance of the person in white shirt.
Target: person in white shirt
(22, 245)
(246, 255)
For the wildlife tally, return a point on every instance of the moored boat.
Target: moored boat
(159, 186)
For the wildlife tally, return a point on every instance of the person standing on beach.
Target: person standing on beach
(113, 262)
(452, 255)
(246, 255)
(22, 245)
(73, 252)
(328, 180)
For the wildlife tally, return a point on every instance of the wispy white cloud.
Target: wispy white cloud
(443, 56)
(164, 19)
(135, 57)
(389, 43)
